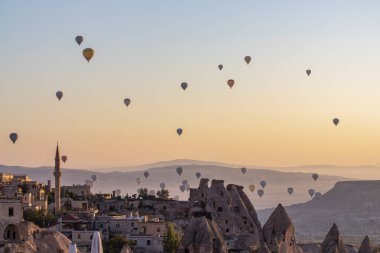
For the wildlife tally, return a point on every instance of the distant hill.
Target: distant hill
(275, 191)
(353, 205)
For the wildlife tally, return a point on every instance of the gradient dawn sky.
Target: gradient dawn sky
(275, 114)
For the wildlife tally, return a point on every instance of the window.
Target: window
(132, 224)
(220, 209)
(158, 230)
(10, 212)
(147, 242)
(78, 236)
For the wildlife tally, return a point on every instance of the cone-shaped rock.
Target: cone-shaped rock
(365, 247)
(333, 242)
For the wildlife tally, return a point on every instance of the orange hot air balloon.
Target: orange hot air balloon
(231, 83)
(88, 53)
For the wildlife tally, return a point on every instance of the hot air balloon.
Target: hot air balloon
(176, 197)
(260, 192)
(182, 188)
(315, 176)
(162, 186)
(89, 183)
(263, 184)
(127, 101)
(231, 83)
(308, 72)
(317, 195)
(138, 180)
(179, 131)
(179, 171)
(290, 190)
(243, 170)
(184, 85)
(79, 39)
(64, 158)
(94, 177)
(13, 137)
(198, 175)
(311, 192)
(247, 59)
(251, 187)
(88, 53)
(152, 193)
(59, 94)
(118, 192)
(185, 182)
(336, 121)
(220, 66)
(187, 187)
(146, 174)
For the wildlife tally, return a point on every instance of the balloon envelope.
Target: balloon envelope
(13, 137)
(138, 180)
(94, 177)
(146, 174)
(198, 175)
(220, 66)
(315, 176)
(162, 186)
(247, 59)
(88, 53)
(308, 72)
(251, 187)
(311, 192)
(179, 131)
(231, 83)
(243, 170)
(336, 121)
(127, 101)
(184, 85)
(182, 188)
(59, 94)
(89, 183)
(79, 39)
(263, 184)
(290, 190)
(179, 170)
(64, 158)
(260, 192)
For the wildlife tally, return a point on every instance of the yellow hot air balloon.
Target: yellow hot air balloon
(88, 53)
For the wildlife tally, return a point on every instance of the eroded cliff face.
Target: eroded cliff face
(230, 208)
(333, 242)
(279, 232)
(203, 236)
(365, 246)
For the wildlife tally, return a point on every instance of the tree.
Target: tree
(115, 245)
(143, 193)
(171, 240)
(41, 218)
(163, 194)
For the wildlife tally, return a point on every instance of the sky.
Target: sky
(275, 115)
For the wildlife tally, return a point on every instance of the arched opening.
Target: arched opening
(10, 233)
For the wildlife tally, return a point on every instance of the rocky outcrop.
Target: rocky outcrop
(365, 247)
(231, 209)
(203, 236)
(279, 232)
(333, 242)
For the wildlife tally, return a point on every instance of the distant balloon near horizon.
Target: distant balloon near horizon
(182, 188)
(179, 131)
(176, 197)
(317, 195)
(127, 101)
(198, 175)
(247, 59)
(146, 174)
(290, 190)
(336, 121)
(13, 137)
(263, 184)
(94, 177)
(138, 180)
(243, 170)
(179, 171)
(220, 67)
(231, 83)
(162, 186)
(185, 182)
(79, 39)
(64, 158)
(184, 85)
(315, 176)
(260, 192)
(308, 72)
(88, 53)
(59, 95)
(311, 192)
(251, 187)
(89, 183)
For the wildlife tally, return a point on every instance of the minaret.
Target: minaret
(57, 176)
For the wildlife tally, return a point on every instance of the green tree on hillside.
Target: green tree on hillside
(171, 240)
(163, 194)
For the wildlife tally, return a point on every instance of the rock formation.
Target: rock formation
(203, 236)
(333, 242)
(231, 209)
(126, 249)
(365, 247)
(279, 232)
